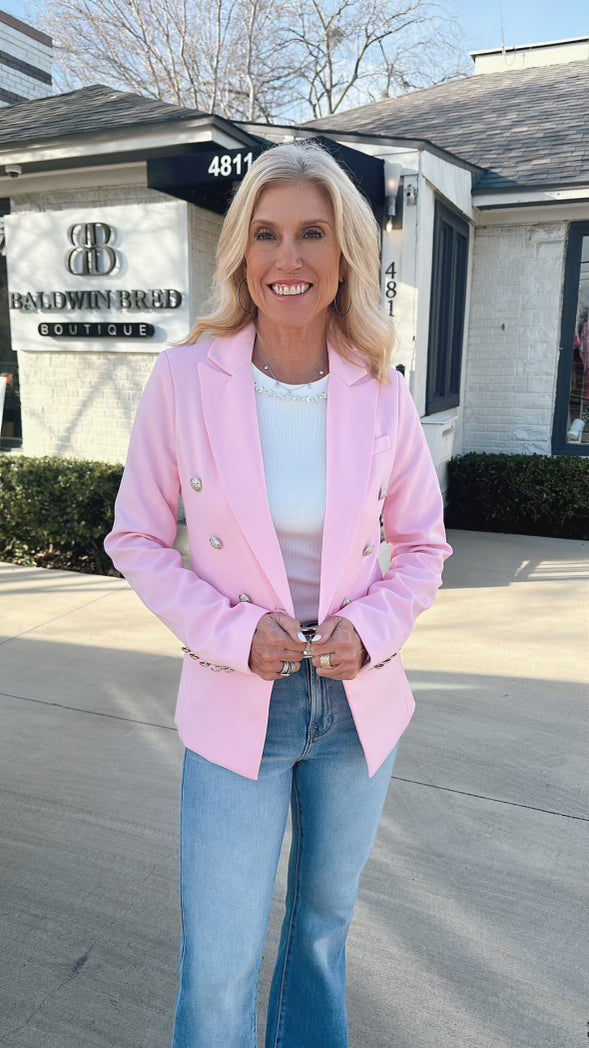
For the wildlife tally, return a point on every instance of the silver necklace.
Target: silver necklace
(282, 391)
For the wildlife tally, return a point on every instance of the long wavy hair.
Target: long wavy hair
(364, 330)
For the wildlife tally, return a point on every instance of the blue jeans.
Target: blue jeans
(231, 835)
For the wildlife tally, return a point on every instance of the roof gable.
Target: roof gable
(527, 127)
(90, 110)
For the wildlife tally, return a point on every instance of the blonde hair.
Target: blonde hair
(364, 330)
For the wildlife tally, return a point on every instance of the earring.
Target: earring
(239, 299)
(336, 310)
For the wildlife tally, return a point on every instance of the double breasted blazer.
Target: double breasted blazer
(196, 435)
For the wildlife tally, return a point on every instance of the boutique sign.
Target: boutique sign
(120, 299)
(97, 330)
(109, 278)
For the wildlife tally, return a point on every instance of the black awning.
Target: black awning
(207, 176)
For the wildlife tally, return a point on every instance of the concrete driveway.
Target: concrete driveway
(468, 930)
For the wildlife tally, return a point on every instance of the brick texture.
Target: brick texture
(513, 338)
(25, 66)
(82, 405)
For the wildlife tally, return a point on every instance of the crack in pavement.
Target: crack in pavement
(90, 713)
(494, 800)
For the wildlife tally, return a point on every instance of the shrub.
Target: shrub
(55, 512)
(521, 494)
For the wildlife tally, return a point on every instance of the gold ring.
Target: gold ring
(325, 661)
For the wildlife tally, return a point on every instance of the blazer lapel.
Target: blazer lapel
(230, 415)
(351, 412)
(229, 410)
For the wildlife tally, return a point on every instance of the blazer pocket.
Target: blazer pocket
(382, 443)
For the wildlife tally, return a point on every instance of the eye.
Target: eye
(314, 234)
(263, 234)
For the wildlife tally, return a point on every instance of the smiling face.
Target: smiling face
(293, 260)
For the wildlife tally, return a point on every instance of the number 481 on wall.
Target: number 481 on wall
(390, 290)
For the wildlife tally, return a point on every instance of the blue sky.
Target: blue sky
(524, 21)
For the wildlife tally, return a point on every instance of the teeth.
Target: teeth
(290, 289)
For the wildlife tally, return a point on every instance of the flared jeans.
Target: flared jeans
(231, 835)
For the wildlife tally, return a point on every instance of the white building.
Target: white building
(482, 189)
(26, 57)
(518, 379)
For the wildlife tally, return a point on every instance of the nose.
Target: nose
(289, 257)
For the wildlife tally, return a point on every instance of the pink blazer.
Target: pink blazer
(196, 434)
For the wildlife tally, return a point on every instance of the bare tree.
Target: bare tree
(209, 56)
(253, 59)
(350, 52)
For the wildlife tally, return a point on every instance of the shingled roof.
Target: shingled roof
(526, 127)
(90, 110)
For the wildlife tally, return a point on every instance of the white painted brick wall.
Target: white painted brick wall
(513, 338)
(82, 405)
(205, 227)
(21, 84)
(91, 197)
(25, 47)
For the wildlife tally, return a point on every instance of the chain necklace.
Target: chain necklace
(284, 392)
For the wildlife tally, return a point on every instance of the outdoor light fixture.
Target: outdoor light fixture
(392, 181)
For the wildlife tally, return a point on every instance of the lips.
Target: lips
(290, 289)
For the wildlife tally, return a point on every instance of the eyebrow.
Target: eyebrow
(311, 222)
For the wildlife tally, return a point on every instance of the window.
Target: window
(570, 434)
(446, 320)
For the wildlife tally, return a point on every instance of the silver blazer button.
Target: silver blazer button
(196, 483)
(215, 542)
(345, 602)
(244, 598)
(368, 550)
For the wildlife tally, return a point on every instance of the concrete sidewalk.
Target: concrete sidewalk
(468, 931)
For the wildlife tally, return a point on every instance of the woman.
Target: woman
(287, 436)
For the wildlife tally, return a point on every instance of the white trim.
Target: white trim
(104, 175)
(525, 197)
(512, 216)
(527, 47)
(530, 47)
(184, 132)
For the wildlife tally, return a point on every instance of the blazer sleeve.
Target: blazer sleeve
(141, 542)
(413, 516)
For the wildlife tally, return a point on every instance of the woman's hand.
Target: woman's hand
(274, 643)
(346, 651)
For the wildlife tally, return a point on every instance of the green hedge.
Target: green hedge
(55, 512)
(521, 494)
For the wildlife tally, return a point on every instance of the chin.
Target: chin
(294, 319)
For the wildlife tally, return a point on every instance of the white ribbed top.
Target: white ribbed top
(293, 436)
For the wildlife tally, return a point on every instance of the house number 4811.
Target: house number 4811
(226, 164)
(390, 290)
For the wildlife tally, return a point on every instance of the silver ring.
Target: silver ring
(325, 661)
(287, 669)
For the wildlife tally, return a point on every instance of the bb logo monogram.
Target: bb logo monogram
(92, 254)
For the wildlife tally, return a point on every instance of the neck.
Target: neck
(295, 355)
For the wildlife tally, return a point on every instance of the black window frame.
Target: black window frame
(447, 313)
(8, 357)
(570, 299)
